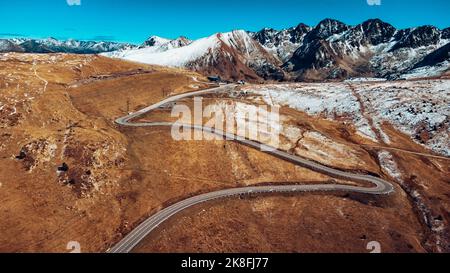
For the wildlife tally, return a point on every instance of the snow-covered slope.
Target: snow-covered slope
(166, 44)
(156, 41)
(419, 109)
(434, 64)
(153, 45)
(161, 55)
(233, 55)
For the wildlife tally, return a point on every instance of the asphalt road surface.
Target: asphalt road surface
(380, 186)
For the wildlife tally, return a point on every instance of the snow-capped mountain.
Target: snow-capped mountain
(52, 45)
(374, 48)
(166, 44)
(154, 44)
(417, 37)
(330, 50)
(233, 55)
(9, 46)
(282, 43)
(446, 33)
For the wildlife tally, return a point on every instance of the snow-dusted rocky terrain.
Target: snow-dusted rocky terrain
(372, 49)
(329, 50)
(329, 100)
(162, 53)
(52, 45)
(420, 109)
(152, 46)
(282, 43)
(233, 54)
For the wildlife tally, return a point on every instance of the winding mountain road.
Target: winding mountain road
(381, 187)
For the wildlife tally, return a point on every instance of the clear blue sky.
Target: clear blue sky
(134, 21)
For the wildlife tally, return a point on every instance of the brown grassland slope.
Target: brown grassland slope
(59, 108)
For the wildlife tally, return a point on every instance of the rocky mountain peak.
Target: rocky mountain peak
(155, 41)
(377, 31)
(325, 29)
(265, 35)
(181, 41)
(302, 27)
(164, 44)
(417, 37)
(298, 33)
(445, 33)
(284, 42)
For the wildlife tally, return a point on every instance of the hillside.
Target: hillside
(332, 50)
(69, 173)
(233, 55)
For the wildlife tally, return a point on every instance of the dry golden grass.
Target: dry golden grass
(61, 108)
(306, 223)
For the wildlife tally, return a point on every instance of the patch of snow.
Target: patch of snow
(175, 57)
(412, 107)
(415, 108)
(427, 71)
(330, 100)
(388, 165)
(366, 80)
